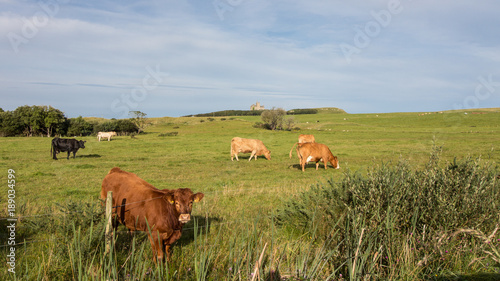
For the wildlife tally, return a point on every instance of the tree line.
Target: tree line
(225, 113)
(47, 121)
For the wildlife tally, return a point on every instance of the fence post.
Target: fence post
(109, 226)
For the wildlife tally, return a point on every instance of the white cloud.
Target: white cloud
(285, 53)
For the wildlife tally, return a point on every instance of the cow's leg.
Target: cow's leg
(167, 251)
(303, 164)
(236, 155)
(169, 239)
(156, 246)
(317, 165)
(68, 155)
(252, 155)
(109, 138)
(54, 155)
(74, 154)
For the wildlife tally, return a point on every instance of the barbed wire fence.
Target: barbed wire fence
(225, 191)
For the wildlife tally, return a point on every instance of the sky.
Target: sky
(105, 58)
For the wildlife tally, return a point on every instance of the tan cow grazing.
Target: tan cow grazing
(105, 135)
(306, 138)
(315, 152)
(140, 206)
(255, 147)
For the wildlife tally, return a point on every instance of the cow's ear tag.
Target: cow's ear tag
(198, 196)
(169, 199)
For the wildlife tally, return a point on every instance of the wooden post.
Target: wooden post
(109, 225)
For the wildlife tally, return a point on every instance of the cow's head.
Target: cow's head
(183, 199)
(267, 154)
(81, 144)
(335, 162)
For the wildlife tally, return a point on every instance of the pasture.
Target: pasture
(237, 216)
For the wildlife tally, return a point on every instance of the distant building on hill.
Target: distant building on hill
(257, 106)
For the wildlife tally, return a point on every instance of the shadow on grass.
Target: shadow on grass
(309, 166)
(247, 157)
(204, 226)
(89, 156)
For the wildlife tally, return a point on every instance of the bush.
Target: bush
(260, 125)
(122, 126)
(273, 118)
(396, 207)
(79, 127)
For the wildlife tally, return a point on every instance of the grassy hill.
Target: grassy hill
(241, 198)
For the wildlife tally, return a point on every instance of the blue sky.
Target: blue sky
(173, 58)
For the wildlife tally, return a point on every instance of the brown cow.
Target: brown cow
(140, 206)
(315, 152)
(255, 147)
(306, 138)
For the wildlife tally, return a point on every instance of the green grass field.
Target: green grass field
(240, 197)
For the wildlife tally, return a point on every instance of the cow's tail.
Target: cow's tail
(292, 149)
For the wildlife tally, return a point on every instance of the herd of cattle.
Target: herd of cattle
(307, 150)
(162, 213)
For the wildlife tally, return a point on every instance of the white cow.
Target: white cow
(105, 135)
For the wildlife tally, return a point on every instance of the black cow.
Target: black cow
(69, 145)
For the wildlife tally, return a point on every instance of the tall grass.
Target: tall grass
(395, 223)
(398, 223)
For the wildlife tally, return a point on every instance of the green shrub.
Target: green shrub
(377, 215)
(122, 126)
(79, 127)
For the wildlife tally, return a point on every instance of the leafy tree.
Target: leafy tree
(273, 118)
(106, 126)
(53, 119)
(120, 126)
(31, 118)
(79, 127)
(9, 124)
(126, 126)
(139, 119)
